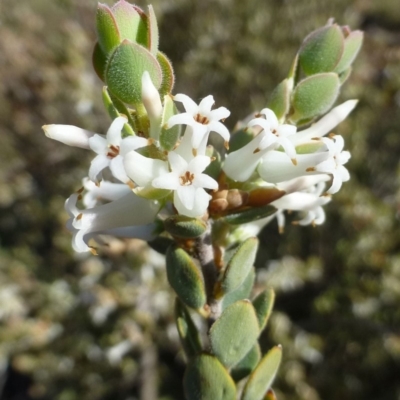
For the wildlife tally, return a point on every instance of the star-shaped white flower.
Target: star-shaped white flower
(188, 183)
(334, 165)
(275, 134)
(201, 119)
(111, 149)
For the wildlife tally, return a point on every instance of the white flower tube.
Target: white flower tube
(129, 211)
(69, 135)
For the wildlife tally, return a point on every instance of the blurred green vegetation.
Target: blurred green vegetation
(92, 328)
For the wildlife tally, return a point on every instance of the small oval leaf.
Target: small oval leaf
(187, 330)
(279, 101)
(263, 305)
(249, 215)
(125, 69)
(262, 377)
(247, 364)
(185, 278)
(234, 333)
(239, 265)
(206, 379)
(99, 61)
(315, 95)
(128, 20)
(168, 79)
(352, 45)
(153, 31)
(107, 29)
(242, 292)
(321, 50)
(185, 227)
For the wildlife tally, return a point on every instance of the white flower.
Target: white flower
(310, 202)
(325, 124)
(69, 134)
(240, 164)
(201, 119)
(129, 216)
(184, 178)
(111, 150)
(152, 103)
(334, 164)
(275, 134)
(188, 183)
(104, 191)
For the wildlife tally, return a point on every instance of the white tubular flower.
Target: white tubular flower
(325, 124)
(275, 134)
(107, 191)
(69, 134)
(188, 183)
(111, 150)
(201, 119)
(130, 214)
(152, 103)
(310, 202)
(276, 167)
(334, 164)
(240, 164)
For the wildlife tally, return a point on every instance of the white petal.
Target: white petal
(219, 128)
(343, 173)
(336, 183)
(114, 131)
(150, 97)
(142, 170)
(198, 164)
(184, 148)
(177, 163)
(181, 119)
(70, 205)
(270, 117)
(286, 130)
(326, 123)
(264, 124)
(168, 181)
(96, 166)
(118, 170)
(98, 144)
(69, 134)
(302, 183)
(219, 113)
(205, 181)
(104, 191)
(199, 207)
(206, 105)
(132, 143)
(288, 147)
(186, 195)
(343, 157)
(190, 106)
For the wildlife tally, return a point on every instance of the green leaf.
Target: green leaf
(151, 193)
(169, 137)
(142, 33)
(185, 278)
(125, 69)
(185, 227)
(279, 101)
(263, 305)
(107, 29)
(247, 364)
(352, 45)
(114, 113)
(153, 31)
(239, 265)
(262, 377)
(215, 166)
(249, 215)
(206, 379)
(160, 244)
(168, 79)
(345, 75)
(315, 95)
(187, 330)
(99, 61)
(321, 50)
(128, 20)
(234, 333)
(242, 292)
(309, 147)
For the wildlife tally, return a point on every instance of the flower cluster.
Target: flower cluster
(146, 178)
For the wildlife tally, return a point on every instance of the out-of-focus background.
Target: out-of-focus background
(92, 328)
